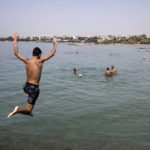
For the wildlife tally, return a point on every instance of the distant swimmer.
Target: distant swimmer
(33, 72)
(74, 71)
(113, 70)
(108, 72)
(144, 58)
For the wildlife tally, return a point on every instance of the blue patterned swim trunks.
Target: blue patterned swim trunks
(33, 92)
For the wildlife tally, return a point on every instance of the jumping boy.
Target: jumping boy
(33, 72)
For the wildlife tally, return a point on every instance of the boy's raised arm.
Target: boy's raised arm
(52, 52)
(16, 49)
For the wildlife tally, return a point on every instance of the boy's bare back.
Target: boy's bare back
(33, 70)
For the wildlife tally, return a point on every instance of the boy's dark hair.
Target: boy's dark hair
(107, 68)
(36, 51)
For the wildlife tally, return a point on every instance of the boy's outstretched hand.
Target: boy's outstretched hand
(54, 41)
(16, 36)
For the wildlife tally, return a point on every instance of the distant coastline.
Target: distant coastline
(122, 44)
(88, 40)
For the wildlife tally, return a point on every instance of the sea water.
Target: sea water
(72, 113)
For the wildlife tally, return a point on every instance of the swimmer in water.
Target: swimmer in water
(74, 71)
(108, 72)
(113, 70)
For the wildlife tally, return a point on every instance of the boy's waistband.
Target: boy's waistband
(32, 84)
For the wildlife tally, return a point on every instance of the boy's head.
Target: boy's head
(37, 52)
(107, 68)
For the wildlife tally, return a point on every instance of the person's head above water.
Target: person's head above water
(107, 68)
(113, 70)
(74, 70)
(112, 67)
(37, 52)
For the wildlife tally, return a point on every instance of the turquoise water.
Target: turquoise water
(71, 113)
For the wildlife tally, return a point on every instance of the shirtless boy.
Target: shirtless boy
(33, 72)
(108, 72)
(113, 70)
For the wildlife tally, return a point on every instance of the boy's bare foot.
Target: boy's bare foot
(14, 112)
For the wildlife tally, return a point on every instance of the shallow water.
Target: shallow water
(71, 113)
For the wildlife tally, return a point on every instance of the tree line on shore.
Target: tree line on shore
(110, 39)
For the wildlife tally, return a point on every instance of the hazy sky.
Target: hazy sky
(74, 17)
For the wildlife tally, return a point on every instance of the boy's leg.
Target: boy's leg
(25, 111)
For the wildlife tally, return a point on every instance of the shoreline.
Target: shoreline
(84, 44)
(88, 44)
